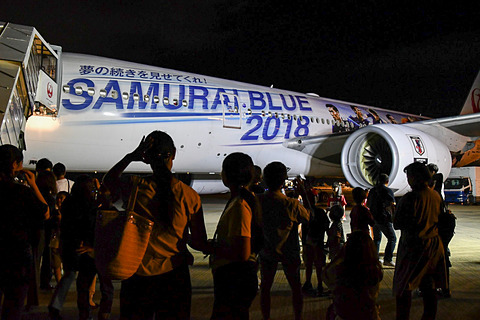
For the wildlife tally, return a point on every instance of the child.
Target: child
(313, 251)
(337, 198)
(336, 237)
(354, 278)
(360, 216)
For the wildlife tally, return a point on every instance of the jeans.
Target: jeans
(62, 288)
(387, 229)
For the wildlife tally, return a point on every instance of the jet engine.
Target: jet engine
(389, 148)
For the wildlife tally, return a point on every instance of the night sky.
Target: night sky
(418, 57)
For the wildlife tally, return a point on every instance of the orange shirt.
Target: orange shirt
(167, 247)
(236, 221)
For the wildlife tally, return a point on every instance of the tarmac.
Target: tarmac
(464, 279)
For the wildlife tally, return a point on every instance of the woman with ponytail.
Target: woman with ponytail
(161, 286)
(235, 245)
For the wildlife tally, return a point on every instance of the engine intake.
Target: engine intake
(389, 148)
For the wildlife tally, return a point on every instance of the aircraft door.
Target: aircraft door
(232, 117)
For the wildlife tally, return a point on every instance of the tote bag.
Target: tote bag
(121, 239)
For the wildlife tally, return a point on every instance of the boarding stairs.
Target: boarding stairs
(28, 80)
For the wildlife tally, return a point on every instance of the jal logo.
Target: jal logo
(418, 145)
(476, 100)
(49, 90)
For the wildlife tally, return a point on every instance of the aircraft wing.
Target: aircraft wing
(387, 148)
(454, 131)
(466, 125)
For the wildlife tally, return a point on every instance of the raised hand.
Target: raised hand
(139, 153)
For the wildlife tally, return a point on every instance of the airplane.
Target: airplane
(90, 111)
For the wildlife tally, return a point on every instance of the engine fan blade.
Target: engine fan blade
(376, 158)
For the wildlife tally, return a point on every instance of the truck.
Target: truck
(463, 186)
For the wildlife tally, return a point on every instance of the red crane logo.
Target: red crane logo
(49, 90)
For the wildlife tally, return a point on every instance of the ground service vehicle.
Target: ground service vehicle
(462, 185)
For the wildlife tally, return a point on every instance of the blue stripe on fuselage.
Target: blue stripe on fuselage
(167, 114)
(135, 120)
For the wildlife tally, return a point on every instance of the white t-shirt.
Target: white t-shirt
(64, 185)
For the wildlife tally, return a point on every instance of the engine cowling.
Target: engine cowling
(389, 148)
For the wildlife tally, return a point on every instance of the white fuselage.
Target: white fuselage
(105, 106)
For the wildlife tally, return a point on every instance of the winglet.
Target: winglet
(472, 104)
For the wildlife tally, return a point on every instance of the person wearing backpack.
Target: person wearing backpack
(381, 203)
(420, 255)
(446, 222)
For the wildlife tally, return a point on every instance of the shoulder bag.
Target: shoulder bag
(121, 239)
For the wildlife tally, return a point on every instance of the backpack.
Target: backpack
(317, 227)
(446, 224)
(379, 205)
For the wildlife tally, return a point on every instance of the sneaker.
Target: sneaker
(388, 264)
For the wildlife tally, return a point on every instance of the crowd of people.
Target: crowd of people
(49, 226)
